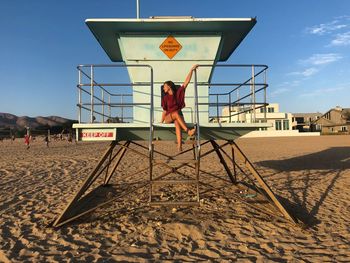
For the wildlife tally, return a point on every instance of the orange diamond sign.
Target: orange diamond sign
(170, 47)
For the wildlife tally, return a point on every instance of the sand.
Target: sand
(312, 174)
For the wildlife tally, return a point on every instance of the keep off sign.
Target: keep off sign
(170, 47)
(97, 134)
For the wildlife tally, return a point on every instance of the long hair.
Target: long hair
(171, 85)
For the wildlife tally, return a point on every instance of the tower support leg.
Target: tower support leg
(120, 155)
(262, 183)
(64, 216)
(222, 160)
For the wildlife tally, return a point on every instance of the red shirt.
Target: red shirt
(175, 102)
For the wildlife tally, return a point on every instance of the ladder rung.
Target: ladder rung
(174, 203)
(188, 181)
(176, 161)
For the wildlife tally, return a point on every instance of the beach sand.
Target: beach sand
(311, 175)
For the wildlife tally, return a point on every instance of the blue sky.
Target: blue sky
(306, 45)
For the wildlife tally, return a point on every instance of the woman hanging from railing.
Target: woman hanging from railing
(173, 100)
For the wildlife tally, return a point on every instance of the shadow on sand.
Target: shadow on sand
(316, 166)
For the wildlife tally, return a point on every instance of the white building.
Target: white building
(278, 120)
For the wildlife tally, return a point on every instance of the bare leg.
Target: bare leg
(176, 117)
(178, 135)
(168, 119)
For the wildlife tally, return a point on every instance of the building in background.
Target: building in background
(336, 120)
(303, 122)
(279, 120)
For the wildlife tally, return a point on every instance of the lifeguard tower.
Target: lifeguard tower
(125, 110)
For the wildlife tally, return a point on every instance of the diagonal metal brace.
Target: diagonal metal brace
(262, 183)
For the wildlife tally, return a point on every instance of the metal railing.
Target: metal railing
(104, 97)
(243, 97)
(227, 101)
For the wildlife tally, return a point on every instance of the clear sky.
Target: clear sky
(306, 45)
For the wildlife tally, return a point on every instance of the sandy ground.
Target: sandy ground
(311, 176)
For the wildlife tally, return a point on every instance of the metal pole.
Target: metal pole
(79, 96)
(150, 145)
(265, 81)
(92, 94)
(122, 108)
(238, 107)
(253, 93)
(197, 111)
(229, 107)
(217, 107)
(198, 151)
(109, 106)
(138, 9)
(151, 114)
(251, 102)
(103, 107)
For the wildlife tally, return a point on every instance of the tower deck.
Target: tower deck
(140, 132)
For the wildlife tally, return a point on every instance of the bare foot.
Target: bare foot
(179, 149)
(191, 132)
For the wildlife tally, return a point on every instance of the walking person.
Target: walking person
(46, 140)
(27, 140)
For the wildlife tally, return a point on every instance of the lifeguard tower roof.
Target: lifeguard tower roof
(232, 30)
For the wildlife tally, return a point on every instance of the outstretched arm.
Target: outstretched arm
(189, 76)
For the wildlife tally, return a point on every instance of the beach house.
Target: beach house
(271, 114)
(303, 122)
(336, 120)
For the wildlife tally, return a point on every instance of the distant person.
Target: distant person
(13, 138)
(173, 100)
(46, 140)
(27, 140)
(74, 138)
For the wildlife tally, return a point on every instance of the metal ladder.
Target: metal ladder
(174, 163)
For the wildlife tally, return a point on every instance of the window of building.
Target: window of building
(285, 124)
(278, 125)
(344, 129)
(299, 119)
(270, 109)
